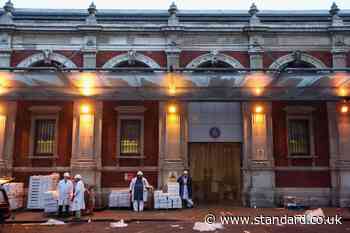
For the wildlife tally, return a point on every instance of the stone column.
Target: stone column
(173, 57)
(89, 51)
(86, 142)
(258, 162)
(172, 141)
(5, 58)
(339, 136)
(7, 136)
(89, 59)
(339, 58)
(255, 51)
(5, 49)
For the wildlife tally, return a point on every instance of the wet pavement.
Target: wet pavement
(164, 221)
(165, 227)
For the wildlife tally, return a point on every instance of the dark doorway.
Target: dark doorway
(216, 173)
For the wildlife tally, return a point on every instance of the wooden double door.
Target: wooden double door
(216, 172)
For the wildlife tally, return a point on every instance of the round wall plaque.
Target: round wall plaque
(214, 132)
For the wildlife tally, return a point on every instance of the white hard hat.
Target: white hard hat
(140, 173)
(77, 176)
(66, 174)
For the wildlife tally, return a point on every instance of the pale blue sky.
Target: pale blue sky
(183, 4)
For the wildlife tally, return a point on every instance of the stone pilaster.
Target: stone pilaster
(256, 51)
(5, 58)
(258, 162)
(172, 140)
(86, 142)
(89, 51)
(173, 57)
(7, 136)
(339, 136)
(256, 59)
(339, 58)
(89, 59)
(5, 49)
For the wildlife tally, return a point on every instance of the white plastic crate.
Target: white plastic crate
(173, 188)
(119, 198)
(38, 185)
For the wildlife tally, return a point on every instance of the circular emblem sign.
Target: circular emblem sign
(215, 132)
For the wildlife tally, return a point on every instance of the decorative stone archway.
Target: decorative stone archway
(282, 61)
(113, 62)
(61, 59)
(234, 63)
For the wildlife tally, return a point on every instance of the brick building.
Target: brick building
(253, 103)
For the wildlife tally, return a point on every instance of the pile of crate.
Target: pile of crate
(38, 185)
(50, 201)
(170, 199)
(119, 198)
(15, 194)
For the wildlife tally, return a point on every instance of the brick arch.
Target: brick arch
(114, 61)
(31, 60)
(282, 61)
(219, 57)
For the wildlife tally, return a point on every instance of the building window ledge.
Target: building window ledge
(131, 157)
(302, 157)
(43, 157)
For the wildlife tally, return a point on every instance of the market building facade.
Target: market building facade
(253, 103)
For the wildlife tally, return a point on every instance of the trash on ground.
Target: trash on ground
(175, 226)
(202, 226)
(119, 224)
(312, 214)
(53, 222)
(246, 231)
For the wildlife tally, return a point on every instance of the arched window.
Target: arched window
(133, 64)
(48, 63)
(216, 64)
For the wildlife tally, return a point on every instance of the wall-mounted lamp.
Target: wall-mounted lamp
(85, 109)
(258, 90)
(258, 109)
(172, 108)
(344, 109)
(172, 89)
(342, 91)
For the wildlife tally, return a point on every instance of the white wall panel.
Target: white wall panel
(205, 115)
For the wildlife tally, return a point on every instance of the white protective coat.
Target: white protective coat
(145, 186)
(65, 192)
(78, 202)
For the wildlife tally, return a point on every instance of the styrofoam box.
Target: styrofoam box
(173, 188)
(119, 198)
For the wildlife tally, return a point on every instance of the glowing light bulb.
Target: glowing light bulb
(344, 108)
(85, 109)
(172, 109)
(259, 109)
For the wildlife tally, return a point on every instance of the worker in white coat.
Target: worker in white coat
(78, 202)
(65, 194)
(138, 188)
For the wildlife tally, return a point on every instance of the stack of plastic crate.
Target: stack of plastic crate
(50, 200)
(175, 200)
(161, 200)
(38, 185)
(119, 198)
(15, 194)
(173, 188)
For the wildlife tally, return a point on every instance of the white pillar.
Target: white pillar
(258, 162)
(339, 137)
(86, 142)
(7, 136)
(172, 140)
